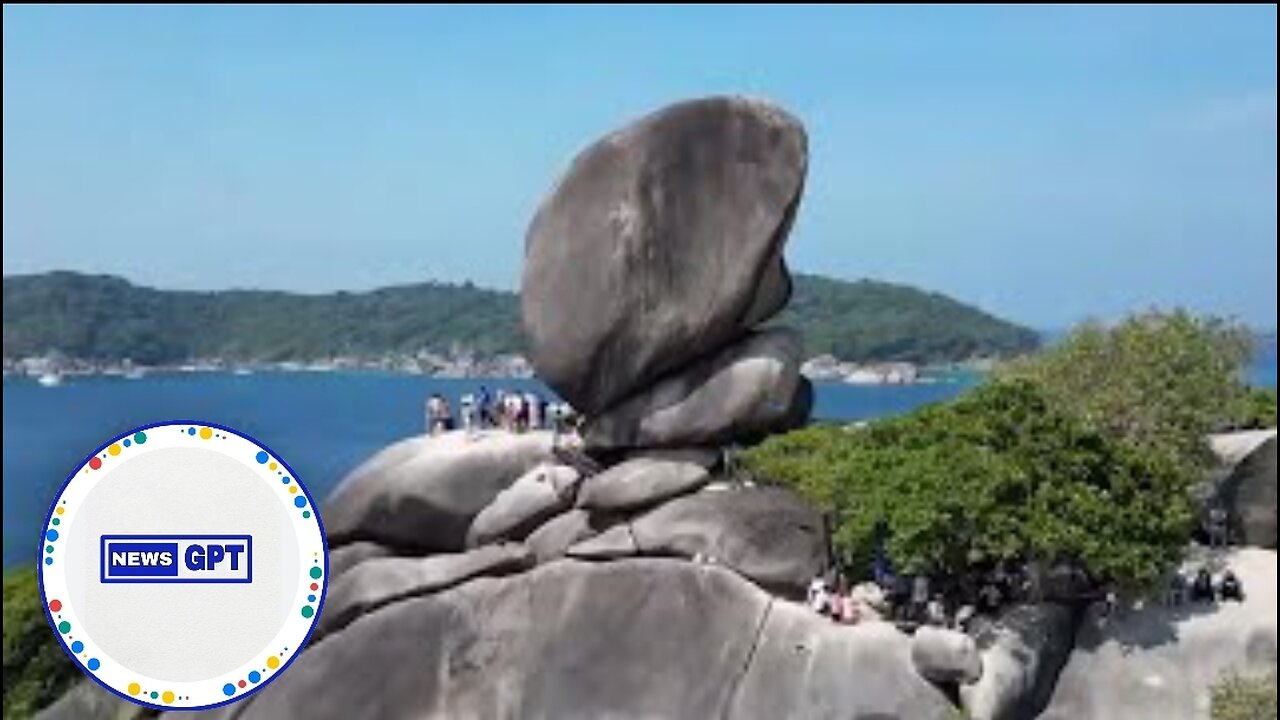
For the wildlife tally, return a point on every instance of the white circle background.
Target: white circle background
(188, 639)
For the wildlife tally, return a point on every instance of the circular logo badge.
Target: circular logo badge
(183, 565)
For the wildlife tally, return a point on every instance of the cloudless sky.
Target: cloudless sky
(1045, 163)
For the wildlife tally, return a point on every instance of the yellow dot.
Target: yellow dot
(134, 688)
(114, 449)
(272, 465)
(167, 696)
(273, 662)
(59, 511)
(205, 433)
(293, 488)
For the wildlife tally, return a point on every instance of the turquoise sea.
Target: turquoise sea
(323, 424)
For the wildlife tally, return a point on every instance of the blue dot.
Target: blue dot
(298, 502)
(191, 431)
(127, 442)
(262, 457)
(93, 664)
(48, 561)
(311, 598)
(254, 676)
(77, 647)
(228, 689)
(53, 534)
(284, 480)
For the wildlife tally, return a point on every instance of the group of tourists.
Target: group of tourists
(512, 411)
(1202, 588)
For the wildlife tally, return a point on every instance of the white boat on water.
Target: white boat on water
(134, 373)
(242, 371)
(50, 379)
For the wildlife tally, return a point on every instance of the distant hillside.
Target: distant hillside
(108, 318)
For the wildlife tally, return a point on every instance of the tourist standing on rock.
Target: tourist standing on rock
(484, 407)
(534, 410)
(819, 598)
(919, 596)
(1202, 587)
(468, 411)
(432, 413)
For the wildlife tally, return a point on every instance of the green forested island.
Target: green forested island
(108, 318)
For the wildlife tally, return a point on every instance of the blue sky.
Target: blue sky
(1047, 164)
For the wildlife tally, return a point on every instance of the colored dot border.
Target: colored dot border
(313, 583)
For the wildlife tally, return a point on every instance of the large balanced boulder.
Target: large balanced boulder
(746, 391)
(532, 498)
(1022, 654)
(641, 482)
(1159, 663)
(1249, 494)
(421, 494)
(646, 638)
(660, 244)
(765, 534)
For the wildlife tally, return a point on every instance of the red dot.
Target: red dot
(55, 605)
(242, 683)
(95, 463)
(313, 587)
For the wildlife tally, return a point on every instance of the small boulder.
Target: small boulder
(945, 656)
(639, 483)
(555, 536)
(746, 391)
(1249, 494)
(616, 542)
(661, 244)
(532, 498)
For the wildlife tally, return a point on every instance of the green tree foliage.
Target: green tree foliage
(999, 474)
(1157, 382)
(107, 318)
(36, 670)
(1085, 454)
(1259, 409)
(1242, 697)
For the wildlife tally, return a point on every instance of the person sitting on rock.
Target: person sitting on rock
(1177, 591)
(1202, 586)
(1231, 589)
(936, 612)
(819, 597)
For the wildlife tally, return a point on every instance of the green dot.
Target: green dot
(48, 548)
(139, 437)
(154, 694)
(307, 611)
(57, 521)
(64, 627)
(306, 513)
(315, 572)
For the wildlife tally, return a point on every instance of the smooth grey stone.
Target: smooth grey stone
(945, 656)
(640, 482)
(379, 582)
(766, 534)
(1022, 653)
(532, 498)
(748, 390)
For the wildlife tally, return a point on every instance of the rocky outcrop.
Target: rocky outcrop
(641, 638)
(1249, 495)
(378, 582)
(422, 494)
(660, 245)
(1022, 654)
(1158, 663)
(748, 390)
(554, 537)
